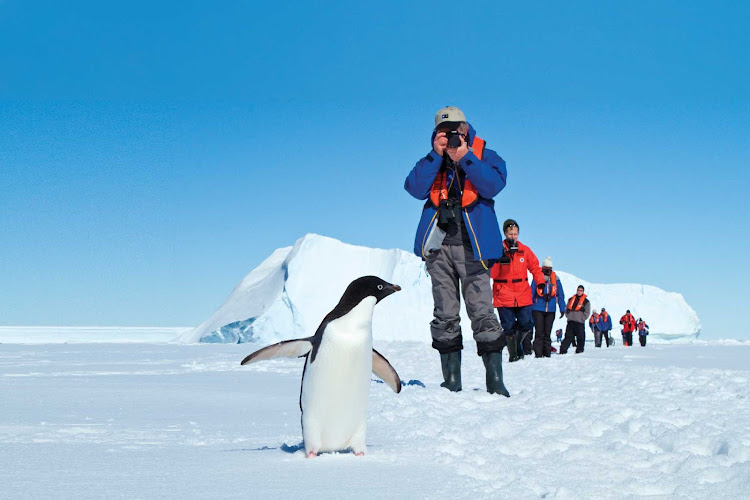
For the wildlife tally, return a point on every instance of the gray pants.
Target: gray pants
(450, 267)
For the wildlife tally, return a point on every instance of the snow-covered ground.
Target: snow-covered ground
(57, 334)
(138, 420)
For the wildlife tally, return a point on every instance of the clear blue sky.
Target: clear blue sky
(152, 154)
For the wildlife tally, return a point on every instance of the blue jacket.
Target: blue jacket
(488, 176)
(539, 304)
(604, 325)
(594, 325)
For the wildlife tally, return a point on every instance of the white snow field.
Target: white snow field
(139, 420)
(288, 295)
(58, 334)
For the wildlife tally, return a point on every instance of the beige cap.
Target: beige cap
(547, 262)
(449, 114)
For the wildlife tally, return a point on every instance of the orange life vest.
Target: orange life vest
(439, 189)
(628, 322)
(552, 289)
(578, 306)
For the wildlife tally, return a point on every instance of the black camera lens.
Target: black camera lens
(454, 138)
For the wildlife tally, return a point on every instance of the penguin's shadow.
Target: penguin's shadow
(287, 448)
(404, 383)
(292, 448)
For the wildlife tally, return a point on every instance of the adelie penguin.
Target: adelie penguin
(336, 377)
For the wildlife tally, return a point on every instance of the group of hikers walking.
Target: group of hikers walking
(630, 325)
(466, 254)
(601, 324)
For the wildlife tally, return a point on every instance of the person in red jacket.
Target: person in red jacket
(511, 292)
(628, 327)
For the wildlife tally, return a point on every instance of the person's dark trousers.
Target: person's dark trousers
(605, 336)
(542, 330)
(597, 338)
(568, 338)
(642, 338)
(629, 338)
(527, 343)
(454, 272)
(517, 322)
(574, 330)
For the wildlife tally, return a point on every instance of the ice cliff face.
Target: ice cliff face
(288, 295)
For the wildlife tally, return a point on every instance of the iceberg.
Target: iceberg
(290, 292)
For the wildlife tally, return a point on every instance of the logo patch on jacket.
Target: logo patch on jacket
(521, 259)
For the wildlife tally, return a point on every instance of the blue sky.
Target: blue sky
(151, 154)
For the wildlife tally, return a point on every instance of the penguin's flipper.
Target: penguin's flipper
(285, 349)
(383, 370)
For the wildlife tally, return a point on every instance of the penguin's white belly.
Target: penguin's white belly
(336, 387)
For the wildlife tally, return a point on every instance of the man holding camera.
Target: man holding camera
(458, 237)
(511, 291)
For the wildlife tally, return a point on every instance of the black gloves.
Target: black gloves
(562, 313)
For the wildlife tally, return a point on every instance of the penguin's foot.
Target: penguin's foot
(312, 454)
(360, 453)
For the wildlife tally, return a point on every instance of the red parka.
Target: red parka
(511, 282)
(628, 323)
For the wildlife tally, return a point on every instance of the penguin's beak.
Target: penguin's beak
(388, 290)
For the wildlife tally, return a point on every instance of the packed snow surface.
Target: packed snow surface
(288, 295)
(187, 421)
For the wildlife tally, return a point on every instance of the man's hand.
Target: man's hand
(562, 313)
(457, 153)
(440, 143)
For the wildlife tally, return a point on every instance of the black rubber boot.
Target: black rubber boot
(451, 364)
(521, 336)
(513, 354)
(493, 363)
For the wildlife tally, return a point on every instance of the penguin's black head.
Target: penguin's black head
(368, 286)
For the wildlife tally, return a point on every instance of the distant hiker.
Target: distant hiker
(594, 326)
(577, 312)
(605, 325)
(458, 236)
(543, 308)
(558, 332)
(642, 332)
(511, 292)
(628, 327)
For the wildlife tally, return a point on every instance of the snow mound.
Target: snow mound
(288, 295)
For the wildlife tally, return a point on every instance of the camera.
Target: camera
(512, 246)
(454, 138)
